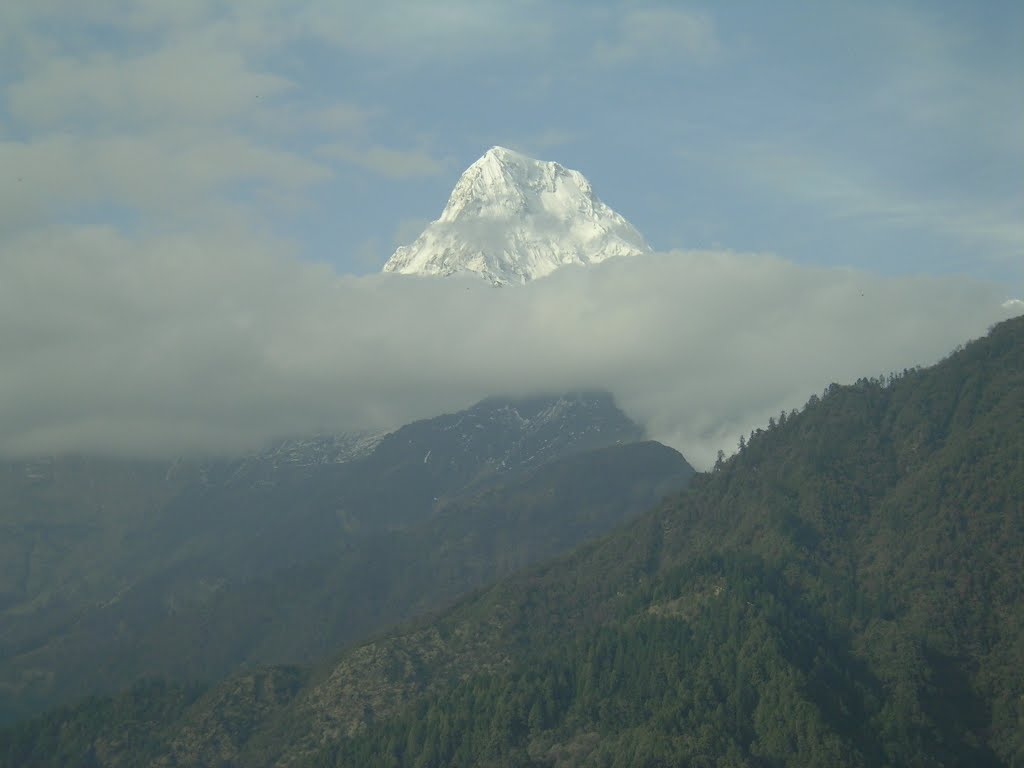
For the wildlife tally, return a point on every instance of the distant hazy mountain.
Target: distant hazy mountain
(844, 591)
(111, 570)
(511, 219)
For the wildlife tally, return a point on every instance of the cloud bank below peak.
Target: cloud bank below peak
(171, 346)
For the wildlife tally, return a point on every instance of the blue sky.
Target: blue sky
(882, 136)
(196, 196)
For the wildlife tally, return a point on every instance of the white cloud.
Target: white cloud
(413, 31)
(138, 14)
(392, 163)
(845, 189)
(935, 81)
(340, 118)
(172, 116)
(169, 345)
(160, 176)
(408, 230)
(179, 84)
(536, 145)
(646, 33)
(143, 114)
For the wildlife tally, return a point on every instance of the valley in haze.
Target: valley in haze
(121, 570)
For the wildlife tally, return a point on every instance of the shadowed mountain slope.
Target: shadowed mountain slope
(119, 570)
(844, 591)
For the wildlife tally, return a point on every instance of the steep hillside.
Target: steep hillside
(117, 570)
(844, 591)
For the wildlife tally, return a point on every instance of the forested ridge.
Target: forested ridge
(114, 571)
(844, 590)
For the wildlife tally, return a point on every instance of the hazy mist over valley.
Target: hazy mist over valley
(167, 351)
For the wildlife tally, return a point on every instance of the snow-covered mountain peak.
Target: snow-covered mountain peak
(511, 219)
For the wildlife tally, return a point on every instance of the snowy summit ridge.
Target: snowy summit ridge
(512, 219)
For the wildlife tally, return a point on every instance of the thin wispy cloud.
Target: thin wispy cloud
(170, 178)
(839, 189)
(410, 32)
(181, 84)
(642, 33)
(536, 145)
(393, 163)
(937, 80)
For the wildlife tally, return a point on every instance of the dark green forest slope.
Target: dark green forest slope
(845, 590)
(116, 570)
